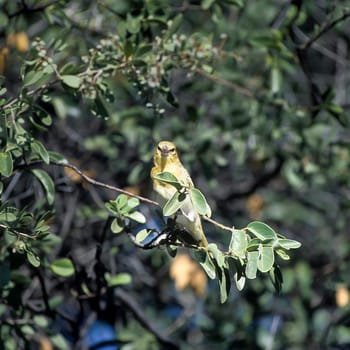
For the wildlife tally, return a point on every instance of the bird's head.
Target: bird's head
(165, 152)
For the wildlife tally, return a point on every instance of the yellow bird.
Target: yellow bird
(166, 159)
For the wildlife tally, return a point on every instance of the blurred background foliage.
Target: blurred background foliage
(255, 94)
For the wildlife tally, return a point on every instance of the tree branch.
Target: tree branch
(241, 90)
(325, 28)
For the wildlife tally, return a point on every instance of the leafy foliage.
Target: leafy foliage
(260, 115)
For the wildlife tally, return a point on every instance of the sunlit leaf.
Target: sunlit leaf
(266, 258)
(262, 231)
(174, 204)
(62, 267)
(47, 183)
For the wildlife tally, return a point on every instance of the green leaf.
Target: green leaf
(174, 204)
(217, 254)
(133, 202)
(62, 267)
(252, 264)
(275, 80)
(57, 158)
(142, 235)
(119, 279)
(47, 183)
(277, 278)
(168, 178)
(173, 27)
(33, 258)
(238, 244)
(209, 267)
(266, 258)
(133, 24)
(289, 243)
(282, 254)
(72, 81)
(206, 4)
(200, 203)
(136, 216)
(32, 78)
(39, 148)
(117, 225)
(240, 281)
(40, 321)
(262, 231)
(122, 200)
(224, 283)
(6, 163)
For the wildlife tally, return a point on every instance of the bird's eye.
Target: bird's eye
(159, 149)
(172, 150)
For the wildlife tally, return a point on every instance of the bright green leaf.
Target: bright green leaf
(119, 279)
(266, 258)
(117, 226)
(62, 267)
(142, 235)
(238, 244)
(32, 78)
(136, 216)
(6, 163)
(289, 244)
(72, 81)
(240, 281)
(252, 264)
(262, 231)
(217, 254)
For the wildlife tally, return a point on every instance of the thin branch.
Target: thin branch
(226, 228)
(135, 309)
(325, 28)
(239, 89)
(101, 184)
(17, 232)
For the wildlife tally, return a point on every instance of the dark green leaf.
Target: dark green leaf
(32, 78)
(39, 148)
(33, 258)
(174, 26)
(47, 183)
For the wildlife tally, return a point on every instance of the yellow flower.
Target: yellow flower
(166, 159)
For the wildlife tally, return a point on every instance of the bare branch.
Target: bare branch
(325, 28)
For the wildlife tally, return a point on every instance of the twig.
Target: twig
(17, 232)
(44, 292)
(101, 184)
(241, 90)
(325, 29)
(135, 309)
(206, 218)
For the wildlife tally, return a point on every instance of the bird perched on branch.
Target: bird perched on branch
(167, 160)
